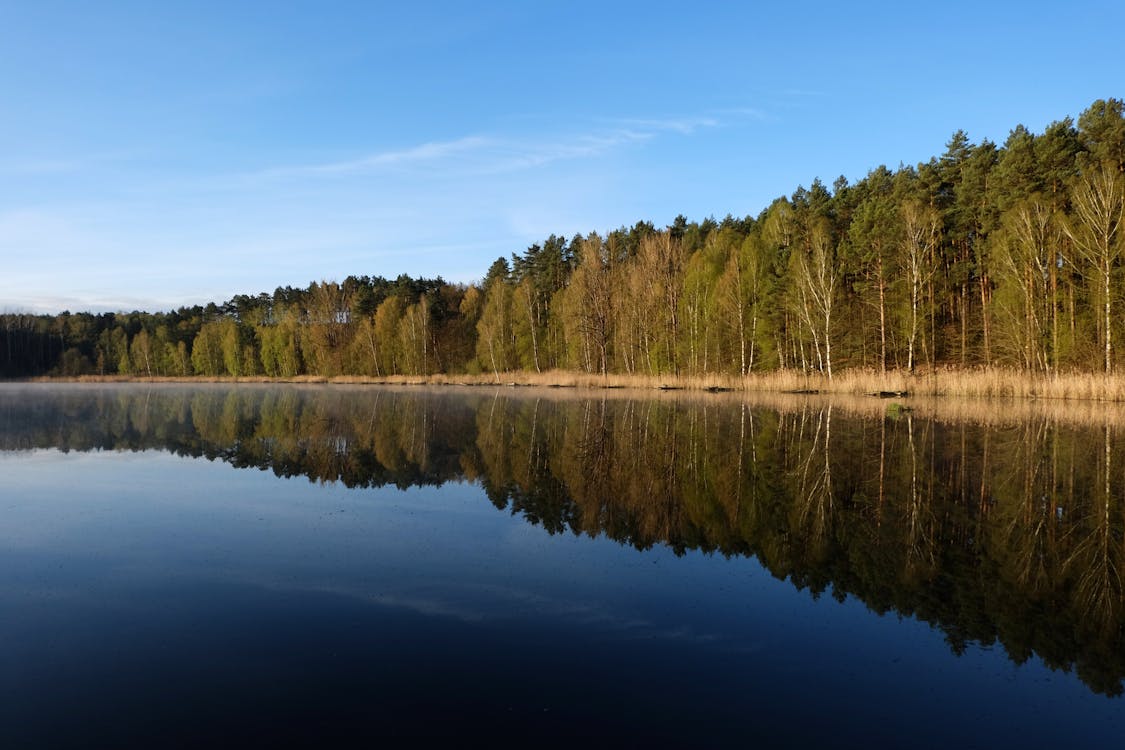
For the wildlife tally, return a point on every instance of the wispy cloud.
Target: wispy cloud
(472, 155)
(420, 154)
(681, 125)
(492, 154)
(515, 154)
(486, 602)
(692, 124)
(804, 92)
(744, 113)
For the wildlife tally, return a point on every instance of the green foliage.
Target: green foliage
(495, 350)
(207, 350)
(279, 348)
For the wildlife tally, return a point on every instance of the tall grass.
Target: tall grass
(942, 382)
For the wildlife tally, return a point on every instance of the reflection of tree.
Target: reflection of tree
(1025, 525)
(1094, 561)
(813, 500)
(1010, 534)
(920, 533)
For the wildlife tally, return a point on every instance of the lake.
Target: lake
(205, 564)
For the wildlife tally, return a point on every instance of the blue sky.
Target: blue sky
(160, 154)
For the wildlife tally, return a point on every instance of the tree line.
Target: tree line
(998, 255)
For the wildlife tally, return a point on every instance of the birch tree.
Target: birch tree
(1094, 227)
(921, 227)
(817, 281)
(588, 302)
(1028, 255)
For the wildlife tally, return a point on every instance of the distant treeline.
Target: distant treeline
(986, 255)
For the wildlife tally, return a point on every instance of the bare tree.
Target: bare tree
(1028, 255)
(593, 303)
(921, 225)
(1094, 227)
(817, 280)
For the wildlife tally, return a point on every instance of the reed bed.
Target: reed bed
(989, 383)
(989, 397)
(994, 412)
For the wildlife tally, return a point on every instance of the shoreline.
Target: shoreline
(989, 383)
(997, 407)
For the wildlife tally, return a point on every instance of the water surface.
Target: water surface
(186, 565)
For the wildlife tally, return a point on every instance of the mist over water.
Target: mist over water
(190, 563)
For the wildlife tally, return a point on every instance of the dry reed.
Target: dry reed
(985, 396)
(982, 382)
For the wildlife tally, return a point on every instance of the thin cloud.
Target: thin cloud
(681, 125)
(470, 155)
(690, 125)
(804, 92)
(515, 155)
(747, 113)
(422, 153)
(478, 154)
(485, 602)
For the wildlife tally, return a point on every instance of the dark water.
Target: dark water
(251, 565)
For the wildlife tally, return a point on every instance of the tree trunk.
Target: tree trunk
(1106, 271)
(882, 320)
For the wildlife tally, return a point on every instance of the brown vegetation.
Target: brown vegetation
(945, 383)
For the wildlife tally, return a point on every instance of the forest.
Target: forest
(988, 255)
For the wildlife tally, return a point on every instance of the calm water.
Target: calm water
(188, 565)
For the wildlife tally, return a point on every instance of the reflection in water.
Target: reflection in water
(1010, 532)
